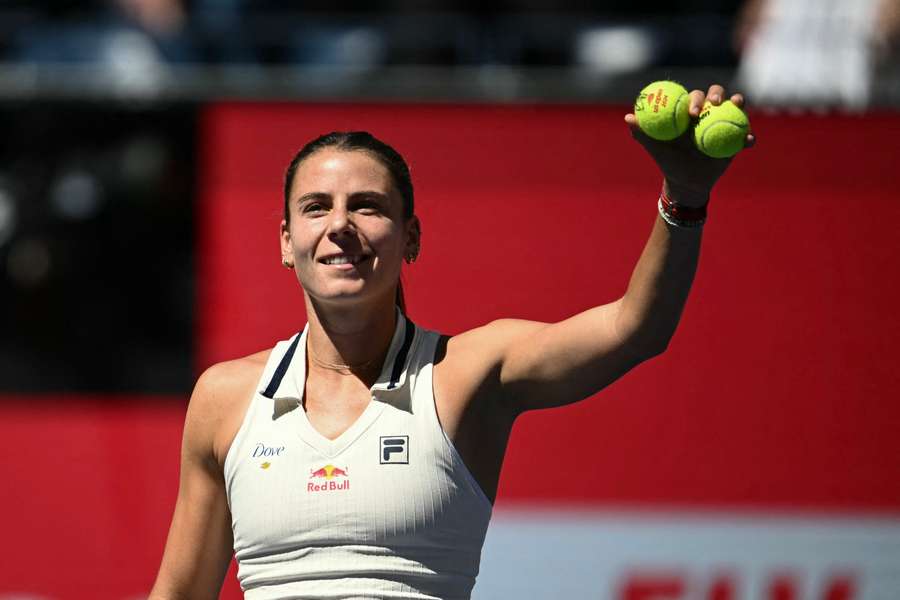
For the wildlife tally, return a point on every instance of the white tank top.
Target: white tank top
(386, 510)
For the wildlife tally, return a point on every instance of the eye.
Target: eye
(368, 207)
(312, 207)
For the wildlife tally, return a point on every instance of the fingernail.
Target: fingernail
(715, 98)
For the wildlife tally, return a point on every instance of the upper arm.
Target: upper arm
(199, 546)
(541, 365)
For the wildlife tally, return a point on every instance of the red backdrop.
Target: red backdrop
(778, 391)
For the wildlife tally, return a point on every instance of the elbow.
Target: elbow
(655, 349)
(647, 349)
(648, 344)
(642, 336)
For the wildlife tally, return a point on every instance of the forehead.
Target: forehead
(341, 171)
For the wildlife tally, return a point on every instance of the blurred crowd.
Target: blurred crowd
(825, 51)
(433, 32)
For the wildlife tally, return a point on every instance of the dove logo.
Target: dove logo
(263, 451)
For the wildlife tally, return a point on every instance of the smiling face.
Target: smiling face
(346, 236)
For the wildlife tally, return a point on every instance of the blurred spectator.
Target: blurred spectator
(143, 36)
(220, 31)
(132, 40)
(93, 36)
(813, 53)
(160, 18)
(887, 31)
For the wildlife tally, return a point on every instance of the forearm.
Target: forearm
(659, 287)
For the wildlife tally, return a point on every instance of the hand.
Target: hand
(689, 174)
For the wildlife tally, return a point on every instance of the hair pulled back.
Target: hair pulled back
(355, 140)
(364, 142)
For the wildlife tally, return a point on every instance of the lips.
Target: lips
(343, 259)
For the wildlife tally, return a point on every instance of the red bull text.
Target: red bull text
(329, 478)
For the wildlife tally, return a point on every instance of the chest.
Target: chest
(386, 480)
(332, 407)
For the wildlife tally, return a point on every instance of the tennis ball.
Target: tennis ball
(721, 130)
(661, 110)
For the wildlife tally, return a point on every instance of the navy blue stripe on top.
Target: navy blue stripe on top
(397, 371)
(281, 369)
(409, 334)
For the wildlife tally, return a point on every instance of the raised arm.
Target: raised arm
(542, 365)
(564, 362)
(199, 547)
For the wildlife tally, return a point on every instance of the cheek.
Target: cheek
(391, 244)
(303, 239)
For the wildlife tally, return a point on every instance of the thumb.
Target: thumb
(642, 138)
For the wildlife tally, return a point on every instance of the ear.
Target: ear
(413, 235)
(287, 250)
(413, 240)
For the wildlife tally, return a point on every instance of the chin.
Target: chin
(350, 290)
(346, 294)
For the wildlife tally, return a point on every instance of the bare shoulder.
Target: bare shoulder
(220, 400)
(473, 408)
(468, 364)
(222, 380)
(486, 345)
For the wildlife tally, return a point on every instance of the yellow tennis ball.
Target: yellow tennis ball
(721, 130)
(661, 110)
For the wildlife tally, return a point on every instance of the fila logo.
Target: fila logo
(394, 450)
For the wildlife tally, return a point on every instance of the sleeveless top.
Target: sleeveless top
(386, 510)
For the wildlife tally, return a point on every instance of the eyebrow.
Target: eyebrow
(318, 196)
(312, 196)
(370, 193)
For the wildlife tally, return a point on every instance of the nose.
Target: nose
(339, 222)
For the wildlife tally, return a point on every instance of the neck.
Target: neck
(350, 339)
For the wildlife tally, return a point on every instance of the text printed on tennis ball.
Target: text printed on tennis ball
(661, 110)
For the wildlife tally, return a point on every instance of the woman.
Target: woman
(360, 458)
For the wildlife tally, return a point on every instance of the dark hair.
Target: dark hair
(355, 140)
(365, 142)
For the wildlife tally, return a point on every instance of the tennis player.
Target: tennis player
(360, 458)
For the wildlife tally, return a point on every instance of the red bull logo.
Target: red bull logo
(329, 477)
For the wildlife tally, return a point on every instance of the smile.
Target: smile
(343, 259)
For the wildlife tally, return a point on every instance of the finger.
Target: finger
(632, 123)
(715, 94)
(697, 100)
(738, 100)
(635, 130)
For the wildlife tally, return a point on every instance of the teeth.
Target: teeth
(342, 260)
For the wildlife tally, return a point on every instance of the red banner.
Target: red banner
(790, 333)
